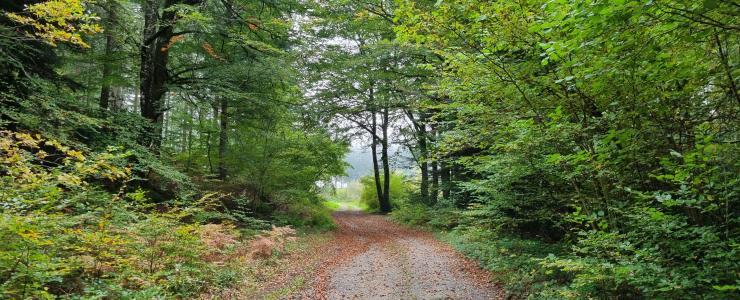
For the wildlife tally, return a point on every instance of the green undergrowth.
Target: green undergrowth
(514, 262)
(596, 266)
(73, 227)
(346, 198)
(339, 205)
(304, 212)
(399, 189)
(332, 205)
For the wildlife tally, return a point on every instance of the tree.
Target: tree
(557, 114)
(367, 82)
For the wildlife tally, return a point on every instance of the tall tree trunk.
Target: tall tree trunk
(190, 139)
(424, 185)
(435, 171)
(209, 132)
(385, 205)
(444, 176)
(424, 158)
(376, 167)
(165, 126)
(223, 139)
(137, 97)
(154, 52)
(105, 90)
(374, 146)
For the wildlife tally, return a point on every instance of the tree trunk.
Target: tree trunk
(424, 185)
(108, 55)
(165, 126)
(444, 176)
(137, 97)
(208, 139)
(435, 171)
(385, 205)
(376, 167)
(190, 139)
(154, 52)
(422, 160)
(423, 157)
(374, 146)
(223, 139)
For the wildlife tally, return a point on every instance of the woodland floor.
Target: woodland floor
(369, 257)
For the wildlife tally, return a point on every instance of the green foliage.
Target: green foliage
(65, 234)
(345, 198)
(398, 193)
(601, 127)
(514, 260)
(412, 214)
(332, 205)
(300, 209)
(58, 226)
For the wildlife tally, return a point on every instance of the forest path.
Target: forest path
(370, 257)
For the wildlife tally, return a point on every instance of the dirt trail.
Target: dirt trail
(373, 258)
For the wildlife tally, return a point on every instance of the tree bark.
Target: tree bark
(107, 71)
(722, 53)
(385, 205)
(435, 171)
(422, 160)
(154, 52)
(209, 132)
(164, 127)
(223, 139)
(444, 176)
(374, 145)
(376, 167)
(190, 140)
(137, 97)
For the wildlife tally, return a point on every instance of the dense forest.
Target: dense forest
(577, 149)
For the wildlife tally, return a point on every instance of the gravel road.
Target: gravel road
(373, 258)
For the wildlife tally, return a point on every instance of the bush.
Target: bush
(514, 261)
(64, 233)
(302, 210)
(398, 193)
(412, 214)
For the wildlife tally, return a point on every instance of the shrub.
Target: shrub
(412, 214)
(513, 260)
(398, 193)
(64, 233)
(302, 210)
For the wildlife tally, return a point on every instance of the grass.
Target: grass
(347, 198)
(334, 206)
(339, 205)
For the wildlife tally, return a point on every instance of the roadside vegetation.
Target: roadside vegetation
(589, 147)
